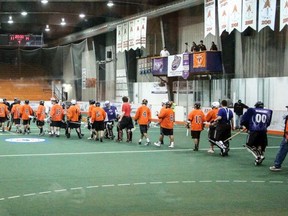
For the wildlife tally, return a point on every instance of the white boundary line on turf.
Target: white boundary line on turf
(114, 152)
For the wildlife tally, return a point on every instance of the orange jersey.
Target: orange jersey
(16, 111)
(3, 110)
(26, 111)
(197, 119)
(56, 112)
(98, 114)
(73, 113)
(40, 113)
(212, 115)
(166, 117)
(143, 115)
(91, 107)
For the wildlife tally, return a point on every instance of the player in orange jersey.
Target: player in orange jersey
(196, 118)
(4, 112)
(16, 115)
(97, 119)
(56, 116)
(26, 113)
(40, 116)
(74, 119)
(91, 107)
(210, 118)
(166, 118)
(143, 117)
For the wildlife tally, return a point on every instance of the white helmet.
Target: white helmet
(73, 101)
(1, 100)
(165, 101)
(107, 103)
(215, 104)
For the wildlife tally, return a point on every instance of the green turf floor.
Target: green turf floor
(61, 176)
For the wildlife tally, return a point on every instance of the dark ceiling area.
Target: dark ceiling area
(40, 15)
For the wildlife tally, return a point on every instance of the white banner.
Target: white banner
(138, 33)
(143, 31)
(266, 15)
(119, 38)
(235, 12)
(132, 44)
(175, 65)
(283, 14)
(249, 14)
(125, 38)
(209, 17)
(223, 15)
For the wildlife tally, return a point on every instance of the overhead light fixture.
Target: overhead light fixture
(10, 21)
(110, 3)
(24, 13)
(63, 22)
(47, 29)
(44, 1)
(81, 15)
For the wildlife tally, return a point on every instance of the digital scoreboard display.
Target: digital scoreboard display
(23, 40)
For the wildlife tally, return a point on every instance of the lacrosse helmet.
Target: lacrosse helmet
(259, 104)
(197, 105)
(215, 104)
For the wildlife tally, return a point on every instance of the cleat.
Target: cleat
(158, 144)
(139, 142)
(171, 146)
(275, 169)
(147, 143)
(211, 151)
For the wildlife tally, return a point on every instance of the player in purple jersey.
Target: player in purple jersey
(256, 121)
(111, 116)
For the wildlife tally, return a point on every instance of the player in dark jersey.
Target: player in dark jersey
(111, 116)
(256, 121)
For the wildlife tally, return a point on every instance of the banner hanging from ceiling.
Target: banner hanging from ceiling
(223, 15)
(210, 17)
(249, 14)
(266, 14)
(283, 14)
(235, 13)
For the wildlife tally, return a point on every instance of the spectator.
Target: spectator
(238, 110)
(194, 47)
(213, 47)
(164, 52)
(201, 46)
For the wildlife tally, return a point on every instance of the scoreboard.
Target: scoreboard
(23, 40)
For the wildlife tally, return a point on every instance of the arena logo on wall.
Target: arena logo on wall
(24, 140)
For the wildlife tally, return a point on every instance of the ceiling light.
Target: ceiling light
(23, 13)
(110, 4)
(10, 21)
(81, 15)
(44, 1)
(47, 28)
(63, 22)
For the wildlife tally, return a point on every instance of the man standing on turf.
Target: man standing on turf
(97, 120)
(26, 113)
(74, 119)
(3, 114)
(143, 117)
(238, 110)
(40, 116)
(56, 115)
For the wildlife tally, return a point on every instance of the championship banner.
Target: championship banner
(175, 65)
(138, 33)
(125, 38)
(209, 17)
(223, 15)
(266, 16)
(131, 35)
(119, 38)
(249, 14)
(283, 14)
(199, 60)
(143, 31)
(235, 12)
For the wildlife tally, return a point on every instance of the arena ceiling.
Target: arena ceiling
(39, 15)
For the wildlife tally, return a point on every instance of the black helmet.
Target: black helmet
(169, 104)
(41, 102)
(259, 104)
(26, 101)
(91, 101)
(197, 105)
(144, 101)
(97, 104)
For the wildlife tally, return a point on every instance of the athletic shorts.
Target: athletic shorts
(40, 123)
(223, 132)
(17, 121)
(56, 124)
(2, 119)
(257, 138)
(98, 125)
(73, 125)
(166, 132)
(126, 122)
(211, 132)
(195, 134)
(143, 128)
(25, 122)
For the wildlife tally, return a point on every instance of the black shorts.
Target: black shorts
(17, 121)
(56, 124)
(166, 132)
(257, 138)
(211, 132)
(223, 132)
(26, 122)
(126, 122)
(98, 125)
(2, 119)
(195, 134)
(143, 128)
(40, 123)
(73, 125)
